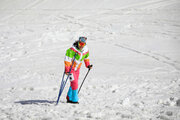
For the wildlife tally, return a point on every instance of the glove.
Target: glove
(90, 66)
(67, 73)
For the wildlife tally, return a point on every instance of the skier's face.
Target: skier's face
(81, 45)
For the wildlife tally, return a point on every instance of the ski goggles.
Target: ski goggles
(81, 44)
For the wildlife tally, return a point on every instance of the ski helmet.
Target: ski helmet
(82, 39)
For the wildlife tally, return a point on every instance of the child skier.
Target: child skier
(82, 53)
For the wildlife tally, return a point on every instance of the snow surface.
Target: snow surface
(134, 47)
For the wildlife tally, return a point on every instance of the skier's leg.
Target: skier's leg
(74, 85)
(69, 94)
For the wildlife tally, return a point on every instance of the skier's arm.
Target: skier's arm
(86, 60)
(67, 60)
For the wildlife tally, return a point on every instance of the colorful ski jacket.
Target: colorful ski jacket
(82, 55)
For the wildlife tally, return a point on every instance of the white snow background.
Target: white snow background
(134, 47)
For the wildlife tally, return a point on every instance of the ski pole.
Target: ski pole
(63, 83)
(84, 79)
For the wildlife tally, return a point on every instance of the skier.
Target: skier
(82, 53)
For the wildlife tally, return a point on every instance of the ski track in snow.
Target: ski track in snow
(131, 79)
(155, 56)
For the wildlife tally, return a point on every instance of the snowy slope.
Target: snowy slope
(134, 47)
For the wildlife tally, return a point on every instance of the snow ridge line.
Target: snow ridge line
(152, 4)
(35, 3)
(155, 56)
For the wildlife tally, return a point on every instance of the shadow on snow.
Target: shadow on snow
(26, 102)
